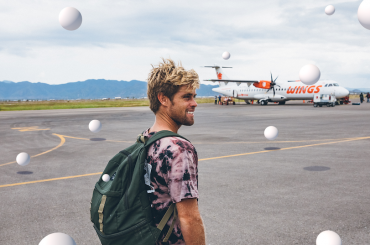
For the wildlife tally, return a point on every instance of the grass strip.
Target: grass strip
(73, 104)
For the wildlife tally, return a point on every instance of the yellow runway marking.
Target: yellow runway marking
(211, 143)
(46, 180)
(204, 159)
(33, 128)
(62, 141)
(264, 142)
(282, 149)
(133, 141)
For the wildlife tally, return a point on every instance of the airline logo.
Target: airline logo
(303, 89)
(219, 75)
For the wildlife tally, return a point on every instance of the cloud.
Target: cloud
(120, 39)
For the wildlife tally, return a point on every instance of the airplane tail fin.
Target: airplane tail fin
(219, 73)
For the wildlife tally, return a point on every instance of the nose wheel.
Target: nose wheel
(263, 102)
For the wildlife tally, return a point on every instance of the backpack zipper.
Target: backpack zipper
(137, 226)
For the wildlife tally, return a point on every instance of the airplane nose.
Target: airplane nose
(346, 92)
(343, 92)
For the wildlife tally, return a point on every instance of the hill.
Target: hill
(89, 89)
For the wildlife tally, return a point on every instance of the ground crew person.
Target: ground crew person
(215, 99)
(361, 97)
(219, 99)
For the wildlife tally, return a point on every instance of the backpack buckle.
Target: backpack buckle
(141, 139)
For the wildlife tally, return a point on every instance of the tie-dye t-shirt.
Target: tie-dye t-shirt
(174, 177)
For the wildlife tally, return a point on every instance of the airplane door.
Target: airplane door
(235, 93)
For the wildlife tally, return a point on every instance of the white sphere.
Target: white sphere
(226, 55)
(328, 238)
(329, 10)
(105, 177)
(309, 74)
(363, 14)
(95, 126)
(271, 132)
(57, 239)
(70, 18)
(23, 159)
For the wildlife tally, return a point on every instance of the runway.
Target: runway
(313, 177)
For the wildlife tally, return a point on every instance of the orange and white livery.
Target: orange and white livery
(269, 91)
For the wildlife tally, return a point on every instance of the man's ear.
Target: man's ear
(163, 99)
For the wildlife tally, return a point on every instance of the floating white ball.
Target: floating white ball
(226, 55)
(271, 132)
(105, 177)
(23, 159)
(95, 126)
(70, 18)
(329, 10)
(363, 14)
(328, 238)
(57, 239)
(309, 74)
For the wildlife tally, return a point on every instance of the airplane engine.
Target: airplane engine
(263, 84)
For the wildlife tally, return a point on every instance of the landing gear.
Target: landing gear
(281, 102)
(263, 102)
(314, 105)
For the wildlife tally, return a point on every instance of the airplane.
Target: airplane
(265, 91)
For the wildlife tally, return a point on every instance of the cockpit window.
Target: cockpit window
(336, 84)
(326, 85)
(330, 85)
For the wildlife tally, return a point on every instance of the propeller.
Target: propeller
(273, 84)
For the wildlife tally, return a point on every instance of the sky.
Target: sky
(121, 39)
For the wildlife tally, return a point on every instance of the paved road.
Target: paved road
(313, 177)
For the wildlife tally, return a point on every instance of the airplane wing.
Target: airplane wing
(249, 82)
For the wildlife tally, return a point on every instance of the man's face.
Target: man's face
(181, 110)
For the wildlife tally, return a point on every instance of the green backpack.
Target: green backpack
(120, 208)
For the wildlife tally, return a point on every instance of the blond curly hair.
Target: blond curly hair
(167, 79)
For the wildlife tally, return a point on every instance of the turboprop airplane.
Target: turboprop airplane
(265, 91)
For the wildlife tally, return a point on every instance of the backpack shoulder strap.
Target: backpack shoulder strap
(162, 134)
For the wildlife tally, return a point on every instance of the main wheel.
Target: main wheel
(262, 102)
(314, 105)
(320, 105)
(282, 103)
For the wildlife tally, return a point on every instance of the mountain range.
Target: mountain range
(89, 89)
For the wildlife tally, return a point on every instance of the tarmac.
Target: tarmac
(313, 177)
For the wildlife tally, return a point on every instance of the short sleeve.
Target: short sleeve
(183, 171)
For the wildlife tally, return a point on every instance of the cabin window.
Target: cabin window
(336, 84)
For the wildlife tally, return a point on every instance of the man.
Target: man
(368, 97)
(174, 160)
(215, 99)
(361, 97)
(219, 99)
